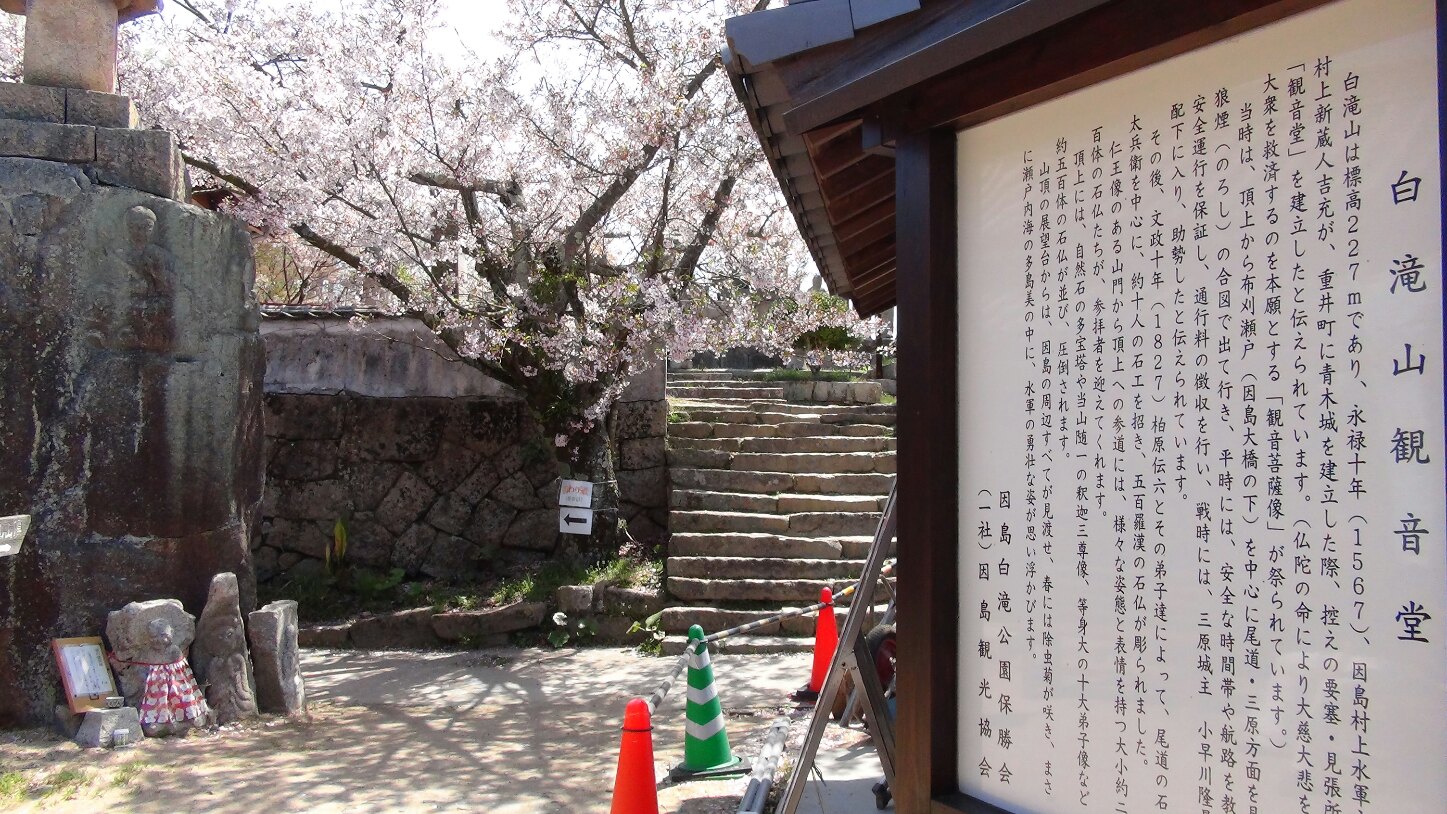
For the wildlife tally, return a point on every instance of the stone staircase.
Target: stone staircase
(771, 501)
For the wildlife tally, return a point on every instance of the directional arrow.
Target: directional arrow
(575, 521)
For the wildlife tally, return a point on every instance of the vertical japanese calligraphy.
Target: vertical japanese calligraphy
(1201, 369)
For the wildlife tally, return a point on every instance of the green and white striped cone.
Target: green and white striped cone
(706, 750)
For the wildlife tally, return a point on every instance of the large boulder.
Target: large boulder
(131, 373)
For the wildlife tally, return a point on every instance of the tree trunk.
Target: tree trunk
(595, 463)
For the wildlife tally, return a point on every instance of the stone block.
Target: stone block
(369, 483)
(536, 530)
(303, 460)
(641, 453)
(479, 484)
(409, 498)
(413, 548)
(644, 487)
(332, 637)
(404, 630)
(319, 500)
(32, 103)
(634, 603)
(99, 727)
(297, 417)
(450, 466)
(383, 429)
(86, 107)
(455, 626)
(866, 393)
(50, 142)
(369, 543)
(517, 491)
(450, 559)
(66, 721)
(575, 598)
(642, 419)
(147, 160)
(489, 523)
(451, 514)
(273, 634)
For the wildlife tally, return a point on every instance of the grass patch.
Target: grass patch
(887, 398)
(66, 782)
(129, 773)
(677, 416)
(12, 785)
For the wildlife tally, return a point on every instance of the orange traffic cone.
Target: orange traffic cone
(634, 789)
(826, 640)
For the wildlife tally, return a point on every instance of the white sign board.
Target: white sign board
(575, 521)
(12, 534)
(575, 493)
(1201, 422)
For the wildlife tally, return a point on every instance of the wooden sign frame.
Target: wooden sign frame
(82, 703)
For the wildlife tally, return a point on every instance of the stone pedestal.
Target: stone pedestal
(72, 43)
(98, 729)
(131, 380)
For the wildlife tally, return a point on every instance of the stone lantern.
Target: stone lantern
(72, 43)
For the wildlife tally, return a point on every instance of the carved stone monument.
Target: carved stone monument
(279, 685)
(72, 43)
(219, 656)
(132, 366)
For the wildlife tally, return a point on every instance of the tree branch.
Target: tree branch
(688, 261)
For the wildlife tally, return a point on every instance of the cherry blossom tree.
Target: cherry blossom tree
(560, 213)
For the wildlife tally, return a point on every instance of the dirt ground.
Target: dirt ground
(504, 731)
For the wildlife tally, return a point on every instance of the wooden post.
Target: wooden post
(926, 285)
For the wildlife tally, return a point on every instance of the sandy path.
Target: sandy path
(504, 731)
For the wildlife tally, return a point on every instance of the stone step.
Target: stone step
(792, 414)
(755, 544)
(756, 568)
(859, 415)
(737, 390)
(808, 410)
(747, 646)
(679, 618)
(747, 544)
(729, 480)
(708, 429)
(694, 499)
(823, 463)
(805, 524)
(824, 443)
(745, 416)
(800, 591)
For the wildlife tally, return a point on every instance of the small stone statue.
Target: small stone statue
(219, 656)
(149, 640)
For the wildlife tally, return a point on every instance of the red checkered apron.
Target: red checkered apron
(171, 695)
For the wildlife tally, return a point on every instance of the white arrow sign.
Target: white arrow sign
(12, 534)
(575, 521)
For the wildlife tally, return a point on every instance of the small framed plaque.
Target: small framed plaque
(84, 672)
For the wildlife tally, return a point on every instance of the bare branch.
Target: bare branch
(688, 261)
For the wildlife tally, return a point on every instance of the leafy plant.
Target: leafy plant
(336, 553)
(677, 416)
(370, 584)
(653, 644)
(566, 630)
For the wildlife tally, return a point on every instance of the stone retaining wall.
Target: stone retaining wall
(443, 488)
(834, 392)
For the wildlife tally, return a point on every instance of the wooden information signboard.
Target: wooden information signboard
(1201, 419)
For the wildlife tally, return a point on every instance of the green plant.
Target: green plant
(12, 784)
(677, 416)
(653, 644)
(336, 553)
(566, 630)
(67, 782)
(127, 773)
(372, 585)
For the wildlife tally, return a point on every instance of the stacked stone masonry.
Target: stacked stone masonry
(443, 487)
(94, 132)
